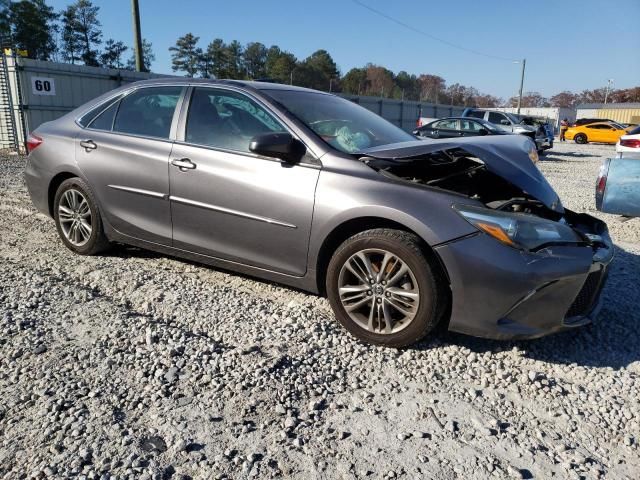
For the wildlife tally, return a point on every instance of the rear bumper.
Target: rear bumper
(37, 182)
(502, 293)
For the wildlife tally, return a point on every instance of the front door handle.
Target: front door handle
(88, 145)
(183, 164)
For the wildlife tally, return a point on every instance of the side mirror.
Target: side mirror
(504, 122)
(483, 131)
(278, 145)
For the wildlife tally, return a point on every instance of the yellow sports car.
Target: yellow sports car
(602, 132)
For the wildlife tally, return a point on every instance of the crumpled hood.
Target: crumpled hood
(505, 155)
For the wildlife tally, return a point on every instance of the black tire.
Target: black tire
(97, 240)
(432, 286)
(581, 138)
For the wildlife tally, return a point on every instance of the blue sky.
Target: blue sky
(569, 45)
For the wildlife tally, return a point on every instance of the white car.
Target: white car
(629, 142)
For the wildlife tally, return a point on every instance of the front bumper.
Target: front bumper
(503, 293)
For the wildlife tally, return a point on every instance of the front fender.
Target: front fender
(425, 211)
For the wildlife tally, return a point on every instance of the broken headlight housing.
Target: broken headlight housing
(519, 230)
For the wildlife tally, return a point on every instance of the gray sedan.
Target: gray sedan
(310, 190)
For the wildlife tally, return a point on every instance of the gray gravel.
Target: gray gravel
(134, 365)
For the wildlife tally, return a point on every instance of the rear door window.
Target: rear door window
(88, 117)
(148, 111)
(447, 125)
(470, 126)
(104, 121)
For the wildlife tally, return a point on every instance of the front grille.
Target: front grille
(587, 296)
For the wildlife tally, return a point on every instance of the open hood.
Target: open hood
(508, 156)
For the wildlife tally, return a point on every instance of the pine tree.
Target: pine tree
(255, 59)
(217, 59)
(148, 57)
(235, 60)
(280, 65)
(112, 55)
(33, 27)
(186, 56)
(87, 27)
(5, 23)
(70, 41)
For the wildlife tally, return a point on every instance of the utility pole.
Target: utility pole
(291, 77)
(524, 63)
(606, 92)
(137, 37)
(330, 84)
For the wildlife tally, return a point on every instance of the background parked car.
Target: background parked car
(618, 185)
(424, 120)
(586, 121)
(509, 123)
(629, 142)
(600, 132)
(544, 130)
(458, 127)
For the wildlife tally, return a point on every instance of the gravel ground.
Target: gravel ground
(133, 365)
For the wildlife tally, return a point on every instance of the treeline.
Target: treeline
(570, 99)
(256, 61)
(72, 35)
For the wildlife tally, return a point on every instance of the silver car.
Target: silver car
(310, 190)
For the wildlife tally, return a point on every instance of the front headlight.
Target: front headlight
(518, 230)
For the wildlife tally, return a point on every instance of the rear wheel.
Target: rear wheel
(77, 218)
(384, 290)
(580, 138)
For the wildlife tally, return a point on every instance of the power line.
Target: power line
(428, 35)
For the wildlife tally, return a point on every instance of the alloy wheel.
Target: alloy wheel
(378, 291)
(74, 216)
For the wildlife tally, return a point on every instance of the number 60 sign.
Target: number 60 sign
(43, 86)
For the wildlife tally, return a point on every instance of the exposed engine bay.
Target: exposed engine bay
(458, 171)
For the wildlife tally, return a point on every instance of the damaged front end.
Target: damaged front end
(549, 276)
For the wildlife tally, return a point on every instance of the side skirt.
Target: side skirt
(306, 283)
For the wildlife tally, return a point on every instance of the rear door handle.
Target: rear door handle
(183, 164)
(88, 145)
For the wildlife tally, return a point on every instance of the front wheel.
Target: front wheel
(581, 138)
(384, 290)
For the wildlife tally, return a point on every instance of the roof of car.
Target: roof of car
(471, 119)
(240, 83)
(595, 123)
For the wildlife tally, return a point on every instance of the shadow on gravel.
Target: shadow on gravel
(126, 251)
(613, 341)
(569, 154)
(562, 157)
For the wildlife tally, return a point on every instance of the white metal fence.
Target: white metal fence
(43, 91)
(402, 113)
